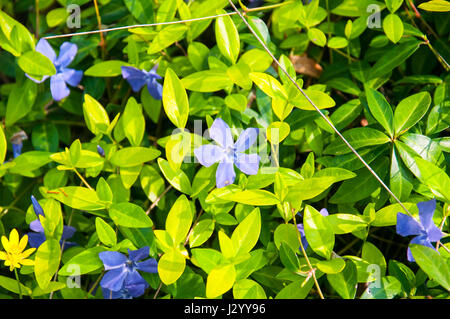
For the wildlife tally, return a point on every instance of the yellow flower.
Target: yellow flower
(14, 255)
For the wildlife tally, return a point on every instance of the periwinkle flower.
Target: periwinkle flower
(126, 292)
(425, 230)
(17, 142)
(228, 153)
(64, 75)
(123, 271)
(37, 237)
(138, 78)
(100, 151)
(301, 229)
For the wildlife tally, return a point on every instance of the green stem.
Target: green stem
(82, 179)
(18, 283)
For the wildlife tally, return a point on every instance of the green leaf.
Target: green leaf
(56, 17)
(345, 282)
(410, 111)
(332, 266)
(435, 178)
(393, 5)
(255, 197)
(95, 115)
(12, 285)
(393, 58)
(433, 264)
(346, 223)
(178, 179)
(356, 8)
(83, 263)
(166, 37)
(393, 27)
(133, 122)
(171, 266)
(276, 132)
(201, 232)
(141, 10)
(207, 81)
(320, 99)
(308, 188)
(337, 42)
(105, 233)
(400, 179)
(129, 215)
(36, 64)
(3, 145)
(227, 38)
(289, 258)
(317, 37)
(133, 156)
(358, 137)
(298, 289)
(20, 101)
(81, 198)
(46, 262)
(179, 219)
(374, 256)
(220, 280)
(380, 109)
(387, 216)
(236, 102)
(109, 68)
(435, 6)
(318, 232)
(269, 85)
(246, 234)
(248, 289)
(386, 288)
(175, 100)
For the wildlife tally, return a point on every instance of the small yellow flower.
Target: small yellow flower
(14, 255)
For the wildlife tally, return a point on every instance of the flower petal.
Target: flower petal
(434, 233)
(155, 89)
(406, 225)
(225, 174)
(36, 226)
(45, 48)
(67, 52)
(220, 132)
(136, 255)
(135, 77)
(248, 163)
(68, 232)
(58, 87)
(112, 259)
(136, 290)
(5, 243)
(27, 252)
(246, 139)
(209, 154)
(72, 77)
(14, 237)
(419, 240)
(426, 212)
(37, 207)
(45, 77)
(324, 212)
(134, 278)
(301, 229)
(114, 279)
(23, 242)
(149, 265)
(36, 239)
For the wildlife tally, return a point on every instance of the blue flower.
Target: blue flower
(138, 78)
(38, 236)
(100, 151)
(301, 229)
(228, 153)
(126, 292)
(123, 271)
(17, 142)
(64, 75)
(425, 229)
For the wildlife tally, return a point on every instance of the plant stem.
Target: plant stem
(18, 283)
(82, 179)
(94, 285)
(306, 257)
(158, 199)
(99, 22)
(37, 18)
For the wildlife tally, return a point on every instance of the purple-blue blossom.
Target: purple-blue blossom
(122, 271)
(37, 237)
(64, 75)
(227, 153)
(425, 230)
(138, 78)
(301, 229)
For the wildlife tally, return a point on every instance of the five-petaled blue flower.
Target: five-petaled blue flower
(37, 237)
(123, 271)
(126, 292)
(64, 75)
(228, 153)
(17, 142)
(138, 78)
(425, 230)
(301, 229)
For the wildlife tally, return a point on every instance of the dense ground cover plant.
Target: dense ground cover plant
(178, 160)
